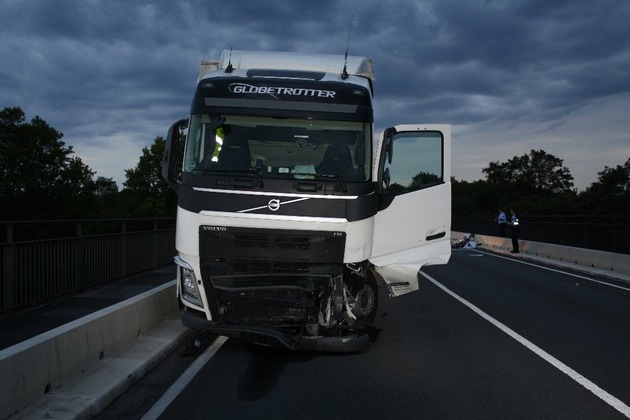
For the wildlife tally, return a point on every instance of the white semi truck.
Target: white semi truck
(290, 215)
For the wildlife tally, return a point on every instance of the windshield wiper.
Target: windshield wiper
(250, 171)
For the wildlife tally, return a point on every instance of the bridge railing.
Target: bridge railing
(602, 233)
(41, 260)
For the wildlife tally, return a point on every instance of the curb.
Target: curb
(97, 387)
(71, 370)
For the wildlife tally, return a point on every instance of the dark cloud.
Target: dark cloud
(113, 74)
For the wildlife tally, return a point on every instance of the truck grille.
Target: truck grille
(268, 276)
(262, 249)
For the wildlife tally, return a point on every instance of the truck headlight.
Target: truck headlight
(190, 291)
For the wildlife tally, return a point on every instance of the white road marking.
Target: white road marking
(596, 390)
(557, 271)
(178, 386)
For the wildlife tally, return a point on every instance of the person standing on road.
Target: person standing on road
(502, 221)
(515, 231)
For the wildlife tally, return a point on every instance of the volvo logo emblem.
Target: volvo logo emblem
(274, 204)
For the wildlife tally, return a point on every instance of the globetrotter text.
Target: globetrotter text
(242, 88)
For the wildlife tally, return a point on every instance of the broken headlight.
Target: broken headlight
(188, 280)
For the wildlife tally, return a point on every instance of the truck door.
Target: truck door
(412, 226)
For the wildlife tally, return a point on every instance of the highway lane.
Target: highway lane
(583, 323)
(437, 356)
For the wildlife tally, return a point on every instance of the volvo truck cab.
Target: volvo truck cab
(291, 214)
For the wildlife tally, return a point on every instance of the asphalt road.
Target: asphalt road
(487, 337)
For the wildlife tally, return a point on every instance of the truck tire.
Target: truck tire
(365, 294)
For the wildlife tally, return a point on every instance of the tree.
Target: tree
(537, 172)
(76, 178)
(423, 179)
(39, 179)
(32, 156)
(475, 198)
(536, 183)
(610, 194)
(146, 177)
(145, 188)
(614, 182)
(105, 186)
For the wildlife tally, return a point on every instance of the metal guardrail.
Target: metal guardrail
(40, 260)
(602, 233)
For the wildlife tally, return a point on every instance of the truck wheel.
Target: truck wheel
(365, 297)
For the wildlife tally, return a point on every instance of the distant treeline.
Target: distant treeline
(41, 179)
(538, 184)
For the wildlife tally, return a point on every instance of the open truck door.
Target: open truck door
(412, 226)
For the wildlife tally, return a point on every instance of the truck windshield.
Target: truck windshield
(279, 147)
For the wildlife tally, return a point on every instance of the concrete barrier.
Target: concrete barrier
(600, 260)
(49, 363)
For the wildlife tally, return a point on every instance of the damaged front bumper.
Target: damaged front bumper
(351, 342)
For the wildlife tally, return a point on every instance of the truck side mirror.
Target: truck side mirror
(171, 155)
(387, 178)
(388, 146)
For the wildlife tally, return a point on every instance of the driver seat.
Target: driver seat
(234, 153)
(337, 160)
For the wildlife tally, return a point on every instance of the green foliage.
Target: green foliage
(33, 156)
(475, 198)
(535, 183)
(146, 193)
(146, 177)
(395, 188)
(423, 179)
(610, 194)
(105, 187)
(419, 180)
(613, 182)
(539, 184)
(537, 173)
(41, 179)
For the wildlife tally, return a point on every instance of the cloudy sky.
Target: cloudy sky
(509, 75)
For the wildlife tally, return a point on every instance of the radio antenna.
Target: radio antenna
(229, 68)
(344, 73)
